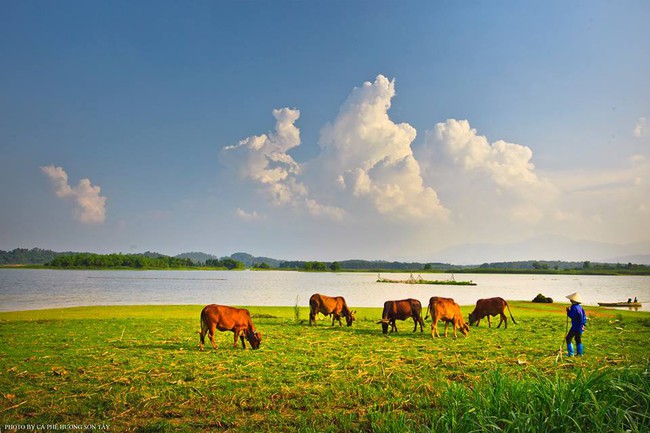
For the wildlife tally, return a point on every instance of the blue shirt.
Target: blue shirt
(578, 317)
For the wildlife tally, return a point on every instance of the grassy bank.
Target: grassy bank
(138, 368)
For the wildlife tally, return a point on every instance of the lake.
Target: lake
(28, 289)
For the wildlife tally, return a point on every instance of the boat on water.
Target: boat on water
(620, 304)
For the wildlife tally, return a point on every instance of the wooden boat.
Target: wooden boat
(620, 304)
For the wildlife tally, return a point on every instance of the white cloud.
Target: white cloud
(485, 184)
(248, 216)
(90, 205)
(455, 187)
(264, 161)
(641, 128)
(369, 157)
(507, 165)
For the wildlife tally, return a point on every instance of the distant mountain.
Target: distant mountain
(640, 259)
(196, 257)
(250, 260)
(24, 256)
(547, 247)
(380, 264)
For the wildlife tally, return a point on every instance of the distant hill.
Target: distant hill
(250, 260)
(24, 256)
(38, 256)
(545, 247)
(397, 266)
(196, 257)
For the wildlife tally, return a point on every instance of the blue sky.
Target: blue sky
(401, 129)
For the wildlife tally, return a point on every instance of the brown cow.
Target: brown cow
(224, 318)
(401, 310)
(490, 307)
(327, 305)
(447, 310)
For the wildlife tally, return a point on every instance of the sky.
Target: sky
(323, 130)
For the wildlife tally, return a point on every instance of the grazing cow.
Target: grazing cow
(401, 310)
(490, 307)
(232, 319)
(448, 311)
(327, 305)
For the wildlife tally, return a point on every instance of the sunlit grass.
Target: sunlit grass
(139, 368)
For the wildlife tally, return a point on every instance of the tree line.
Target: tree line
(152, 260)
(137, 261)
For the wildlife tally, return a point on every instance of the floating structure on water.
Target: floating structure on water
(420, 280)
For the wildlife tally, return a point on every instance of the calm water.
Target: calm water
(26, 289)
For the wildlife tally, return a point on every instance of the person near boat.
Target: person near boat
(578, 322)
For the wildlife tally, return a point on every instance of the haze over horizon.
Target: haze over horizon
(327, 130)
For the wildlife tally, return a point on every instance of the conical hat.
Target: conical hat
(575, 297)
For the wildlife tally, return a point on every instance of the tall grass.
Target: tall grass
(296, 310)
(596, 401)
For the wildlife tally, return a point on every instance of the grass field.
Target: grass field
(138, 369)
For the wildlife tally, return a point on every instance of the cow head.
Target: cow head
(384, 325)
(254, 338)
(464, 328)
(350, 317)
(472, 319)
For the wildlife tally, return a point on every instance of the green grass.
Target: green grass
(138, 368)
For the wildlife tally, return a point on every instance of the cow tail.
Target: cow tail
(204, 328)
(513, 319)
(427, 315)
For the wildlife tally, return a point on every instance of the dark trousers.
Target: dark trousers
(574, 334)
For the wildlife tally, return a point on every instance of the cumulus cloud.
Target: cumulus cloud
(455, 185)
(90, 206)
(369, 157)
(507, 165)
(487, 185)
(264, 161)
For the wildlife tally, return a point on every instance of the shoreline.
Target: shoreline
(595, 272)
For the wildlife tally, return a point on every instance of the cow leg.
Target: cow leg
(504, 320)
(446, 325)
(211, 331)
(201, 338)
(393, 326)
(312, 318)
(455, 325)
(421, 323)
(243, 342)
(434, 329)
(236, 331)
(489, 321)
(415, 322)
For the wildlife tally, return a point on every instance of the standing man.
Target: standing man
(578, 322)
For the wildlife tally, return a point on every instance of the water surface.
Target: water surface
(25, 289)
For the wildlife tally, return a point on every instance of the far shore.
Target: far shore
(469, 270)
